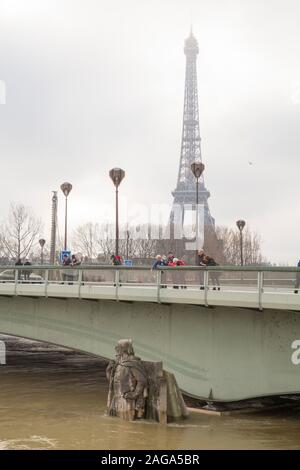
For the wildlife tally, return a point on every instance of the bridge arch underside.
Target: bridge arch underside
(225, 353)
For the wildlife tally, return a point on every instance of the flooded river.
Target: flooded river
(53, 398)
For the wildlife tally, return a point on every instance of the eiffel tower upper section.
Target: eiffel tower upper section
(185, 192)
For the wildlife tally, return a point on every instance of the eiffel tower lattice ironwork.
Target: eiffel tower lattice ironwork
(185, 192)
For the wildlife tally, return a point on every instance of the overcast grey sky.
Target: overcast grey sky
(92, 84)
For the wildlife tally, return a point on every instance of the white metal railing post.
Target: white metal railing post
(117, 282)
(205, 280)
(46, 282)
(260, 286)
(79, 282)
(158, 282)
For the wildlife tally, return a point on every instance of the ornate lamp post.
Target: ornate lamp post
(240, 225)
(197, 169)
(66, 189)
(127, 242)
(117, 175)
(42, 244)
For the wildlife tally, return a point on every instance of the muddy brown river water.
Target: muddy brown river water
(53, 398)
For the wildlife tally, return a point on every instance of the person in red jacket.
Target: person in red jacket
(116, 260)
(178, 276)
(177, 262)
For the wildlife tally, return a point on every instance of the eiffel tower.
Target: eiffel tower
(185, 193)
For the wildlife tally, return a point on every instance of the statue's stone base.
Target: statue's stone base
(165, 402)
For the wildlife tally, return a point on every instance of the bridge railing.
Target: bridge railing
(185, 275)
(189, 284)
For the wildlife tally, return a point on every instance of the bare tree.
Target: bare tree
(127, 243)
(145, 245)
(86, 240)
(106, 241)
(95, 241)
(20, 232)
(231, 246)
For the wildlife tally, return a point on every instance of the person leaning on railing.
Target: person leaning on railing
(75, 261)
(116, 260)
(160, 262)
(178, 276)
(66, 262)
(209, 261)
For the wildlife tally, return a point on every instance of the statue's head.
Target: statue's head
(124, 347)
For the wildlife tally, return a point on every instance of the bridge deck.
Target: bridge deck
(236, 287)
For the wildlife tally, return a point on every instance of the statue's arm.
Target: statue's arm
(141, 383)
(109, 369)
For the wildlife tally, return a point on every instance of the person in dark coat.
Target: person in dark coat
(75, 261)
(160, 261)
(27, 272)
(200, 262)
(66, 262)
(209, 261)
(297, 284)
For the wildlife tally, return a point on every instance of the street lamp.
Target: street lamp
(42, 244)
(117, 175)
(197, 169)
(240, 225)
(66, 189)
(127, 243)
